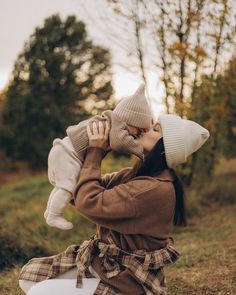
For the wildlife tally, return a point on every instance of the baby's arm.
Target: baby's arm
(122, 141)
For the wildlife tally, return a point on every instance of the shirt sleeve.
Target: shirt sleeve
(112, 208)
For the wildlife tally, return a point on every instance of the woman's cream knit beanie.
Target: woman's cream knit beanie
(181, 138)
(135, 110)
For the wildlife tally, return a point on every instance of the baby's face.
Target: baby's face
(134, 131)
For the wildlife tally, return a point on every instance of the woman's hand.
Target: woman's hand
(98, 137)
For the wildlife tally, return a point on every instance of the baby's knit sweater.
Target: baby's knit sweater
(119, 137)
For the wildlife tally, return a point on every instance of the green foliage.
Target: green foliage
(23, 230)
(226, 110)
(220, 188)
(60, 78)
(214, 107)
(14, 251)
(114, 163)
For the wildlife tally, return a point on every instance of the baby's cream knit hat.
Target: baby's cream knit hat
(181, 138)
(135, 109)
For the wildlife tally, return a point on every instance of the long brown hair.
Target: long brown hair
(155, 163)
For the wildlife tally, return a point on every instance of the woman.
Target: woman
(134, 210)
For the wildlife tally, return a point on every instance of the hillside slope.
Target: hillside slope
(208, 244)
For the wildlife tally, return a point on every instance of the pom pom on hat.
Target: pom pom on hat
(135, 109)
(181, 138)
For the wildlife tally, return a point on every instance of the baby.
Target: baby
(66, 157)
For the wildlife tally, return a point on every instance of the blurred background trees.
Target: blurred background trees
(60, 78)
(181, 40)
(215, 106)
(190, 44)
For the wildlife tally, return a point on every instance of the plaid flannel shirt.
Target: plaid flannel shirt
(145, 266)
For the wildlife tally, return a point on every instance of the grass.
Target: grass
(208, 248)
(208, 244)
(207, 264)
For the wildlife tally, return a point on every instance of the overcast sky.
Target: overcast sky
(18, 20)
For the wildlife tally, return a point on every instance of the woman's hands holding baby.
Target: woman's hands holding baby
(98, 135)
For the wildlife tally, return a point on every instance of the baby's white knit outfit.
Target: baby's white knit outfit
(66, 156)
(63, 171)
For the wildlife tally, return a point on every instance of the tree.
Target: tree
(180, 40)
(214, 107)
(60, 78)
(227, 98)
(188, 43)
(184, 40)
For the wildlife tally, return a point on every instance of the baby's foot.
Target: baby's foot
(57, 221)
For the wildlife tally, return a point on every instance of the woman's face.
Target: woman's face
(149, 137)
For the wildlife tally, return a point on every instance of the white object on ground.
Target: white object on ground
(62, 284)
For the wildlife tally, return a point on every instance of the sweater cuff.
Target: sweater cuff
(94, 156)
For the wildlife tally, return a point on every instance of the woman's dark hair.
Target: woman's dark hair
(155, 163)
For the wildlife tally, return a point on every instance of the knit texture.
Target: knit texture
(135, 109)
(181, 138)
(119, 138)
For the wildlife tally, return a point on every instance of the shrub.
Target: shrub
(12, 251)
(220, 189)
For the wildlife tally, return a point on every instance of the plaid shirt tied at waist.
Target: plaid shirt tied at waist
(144, 265)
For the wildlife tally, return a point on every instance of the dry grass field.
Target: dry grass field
(207, 265)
